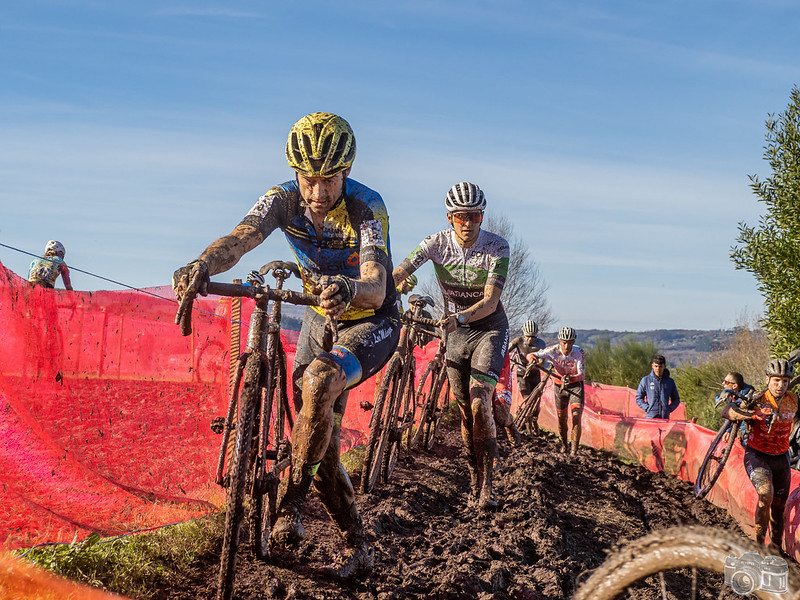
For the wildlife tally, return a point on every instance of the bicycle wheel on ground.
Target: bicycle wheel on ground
(237, 475)
(378, 439)
(425, 397)
(396, 413)
(715, 459)
(690, 562)
(440, 401)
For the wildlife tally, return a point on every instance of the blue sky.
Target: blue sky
(618, 136)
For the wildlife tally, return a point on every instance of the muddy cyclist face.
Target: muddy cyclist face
(321, 193)
(777, 386)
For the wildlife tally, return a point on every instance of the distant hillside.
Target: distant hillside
(679, 346)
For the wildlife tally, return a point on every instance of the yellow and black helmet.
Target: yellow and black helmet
(321, 145)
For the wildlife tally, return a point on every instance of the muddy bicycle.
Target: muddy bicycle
(528, 410)
(691, 562)
(395, 407)
(433, 395)
(721, 446)
(258, 415)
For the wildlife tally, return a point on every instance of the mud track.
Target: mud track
(559, 515)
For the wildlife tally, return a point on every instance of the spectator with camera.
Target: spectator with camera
(766, 454)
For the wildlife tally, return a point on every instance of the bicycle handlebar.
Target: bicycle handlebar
(238, 290)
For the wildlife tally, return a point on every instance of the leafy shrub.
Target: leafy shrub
(621, 364)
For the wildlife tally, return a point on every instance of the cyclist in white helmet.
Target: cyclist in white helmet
(527, 376)
(569, 365)
(44, 271)
(471, 265)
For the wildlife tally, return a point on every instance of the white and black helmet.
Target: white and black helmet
(566, 334)
(779, 367)
(530, 328)
(56, 247)
(465, 196)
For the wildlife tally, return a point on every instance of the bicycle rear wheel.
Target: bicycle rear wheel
(690, 562)
(715, 459)
(237, 475)
(378, 438)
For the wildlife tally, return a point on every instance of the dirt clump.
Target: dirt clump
(558, 517)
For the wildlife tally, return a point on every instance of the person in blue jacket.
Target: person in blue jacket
(657, 394)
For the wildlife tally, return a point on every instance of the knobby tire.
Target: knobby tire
(237, 475)
(679, 562)
(397, 412)
(376, 441)
(715, 459)
(425, 395)
(440, 406)
(260, 518)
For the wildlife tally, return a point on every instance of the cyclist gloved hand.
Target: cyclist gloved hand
(193, 278)
(344, 293)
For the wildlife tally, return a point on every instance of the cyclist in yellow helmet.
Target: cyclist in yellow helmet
(338, 230)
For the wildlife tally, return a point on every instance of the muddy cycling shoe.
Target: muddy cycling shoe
(288, 529)
(513, 436)
(353, 562)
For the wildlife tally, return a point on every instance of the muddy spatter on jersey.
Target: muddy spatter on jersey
(558, 516)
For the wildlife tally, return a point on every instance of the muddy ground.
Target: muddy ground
(559, 515)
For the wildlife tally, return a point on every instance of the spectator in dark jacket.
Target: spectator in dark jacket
(657, 395)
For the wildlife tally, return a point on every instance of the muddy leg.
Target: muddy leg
(323, 382)
(763, 485)
(562, 428)
(469, 446)
(577, 413)
(485, 440)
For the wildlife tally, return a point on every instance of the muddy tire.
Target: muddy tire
(393, 434)
(260, 521)
(237, 476)
(715, 459)
(435, 405)
(425, 391)
(378, 439)
(682, 562)
(440, 408)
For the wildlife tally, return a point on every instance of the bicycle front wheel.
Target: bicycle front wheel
(425, 396)
(715, 459)
(237, 475)
(690, 562)
(378, 435)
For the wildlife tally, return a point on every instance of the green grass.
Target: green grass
(134, 565)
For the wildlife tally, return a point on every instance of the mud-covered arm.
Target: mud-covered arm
(485, 306)
(223, 254)
(368, 291)
(220, 256)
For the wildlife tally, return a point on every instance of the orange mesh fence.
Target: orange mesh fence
(612, 421)
(106, 410)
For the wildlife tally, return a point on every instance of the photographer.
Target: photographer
(766, 456)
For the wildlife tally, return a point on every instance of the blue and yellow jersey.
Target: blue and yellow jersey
(356, 230)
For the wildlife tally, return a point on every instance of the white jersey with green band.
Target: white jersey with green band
(463, 273)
